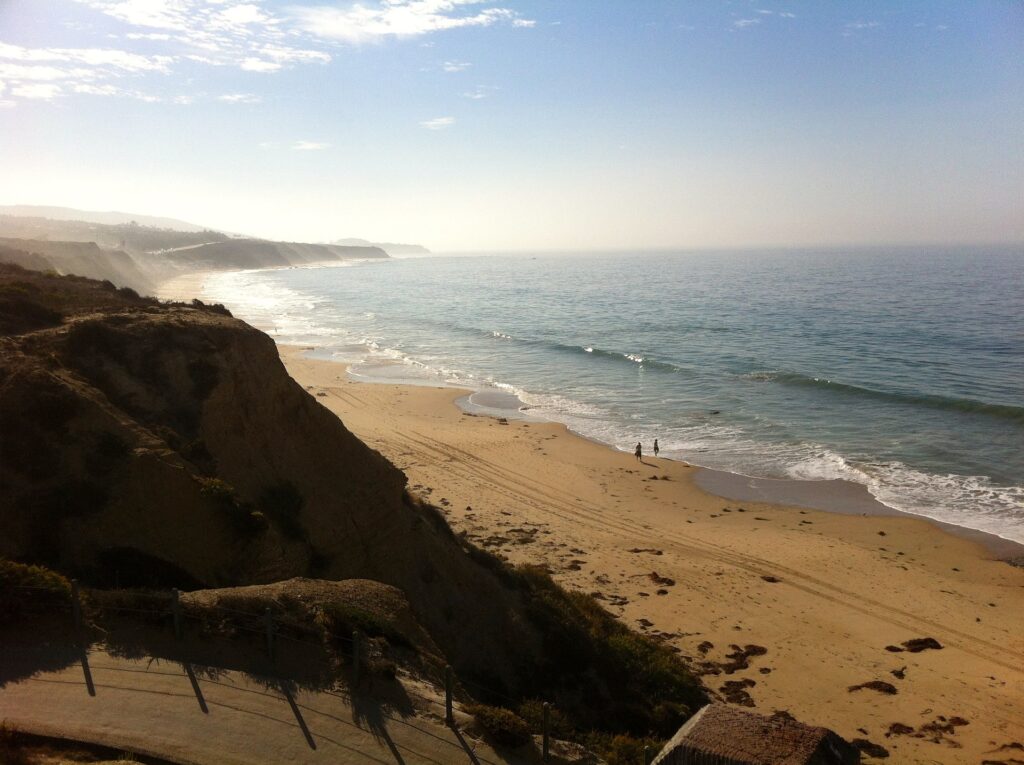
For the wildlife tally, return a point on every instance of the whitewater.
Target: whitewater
(901, 369)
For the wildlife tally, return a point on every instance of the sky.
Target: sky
(525, 124)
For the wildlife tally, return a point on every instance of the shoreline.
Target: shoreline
(833, 495)
(843, 497)
(822, 593)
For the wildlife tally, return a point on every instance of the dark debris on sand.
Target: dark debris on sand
(875, 685)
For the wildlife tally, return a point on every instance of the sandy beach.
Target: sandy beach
(788, 608)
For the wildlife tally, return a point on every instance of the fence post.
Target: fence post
(547, 728)
(356, 650)
(76, 606)
(449, 717)
(176, 612)
(268, 619)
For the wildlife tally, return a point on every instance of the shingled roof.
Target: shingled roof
(724, 735)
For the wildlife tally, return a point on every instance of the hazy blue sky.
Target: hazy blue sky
(520, 124)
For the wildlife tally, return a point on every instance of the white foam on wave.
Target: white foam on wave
(824, 465)
(963, 500)
(294, 316)
(285, 313)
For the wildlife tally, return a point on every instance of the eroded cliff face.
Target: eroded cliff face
(146, 444)
(160, 445)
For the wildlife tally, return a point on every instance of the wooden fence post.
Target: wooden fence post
(76, 606)
(356, 650)
(547, 729)
(176, 612)
(268, 619)
(449, 717)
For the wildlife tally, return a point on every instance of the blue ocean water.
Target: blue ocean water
(900, 369)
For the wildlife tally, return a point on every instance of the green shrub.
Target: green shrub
(19, 314)
(341, 619)
(503, 727)
(597, 672)
(532, 711)
(621, 749)
(216, 489)
(241, 517)
(30, 590)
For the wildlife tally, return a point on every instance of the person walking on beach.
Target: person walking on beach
(655, 447)
(639, 452)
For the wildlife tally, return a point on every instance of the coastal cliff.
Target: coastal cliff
(164, 445)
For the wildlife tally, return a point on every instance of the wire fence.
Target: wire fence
(273, 626)
(456, 742)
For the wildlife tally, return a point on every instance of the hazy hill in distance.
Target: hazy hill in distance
(391, 248)
(106, 218)
(142, 256)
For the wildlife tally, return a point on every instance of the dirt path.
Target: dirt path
(193, 716)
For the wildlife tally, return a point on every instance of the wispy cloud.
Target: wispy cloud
(109, 58)
(36, 91)
(438, 123)
(112, 90)
(787, 15)
(399, 18)
(744, 23)
(240, 98)
(253, 64)
(34, 73)
(163, 37)
(218, 32)
(309, 146)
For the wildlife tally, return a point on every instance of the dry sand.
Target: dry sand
(184, 287)
(823, 593)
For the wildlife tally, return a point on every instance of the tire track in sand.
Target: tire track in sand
(552, 500)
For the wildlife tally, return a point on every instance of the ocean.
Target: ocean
(901, 369)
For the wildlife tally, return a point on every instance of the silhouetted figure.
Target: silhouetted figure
(639, 451)
(656, 447)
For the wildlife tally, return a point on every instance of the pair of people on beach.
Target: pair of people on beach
(639, 452)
